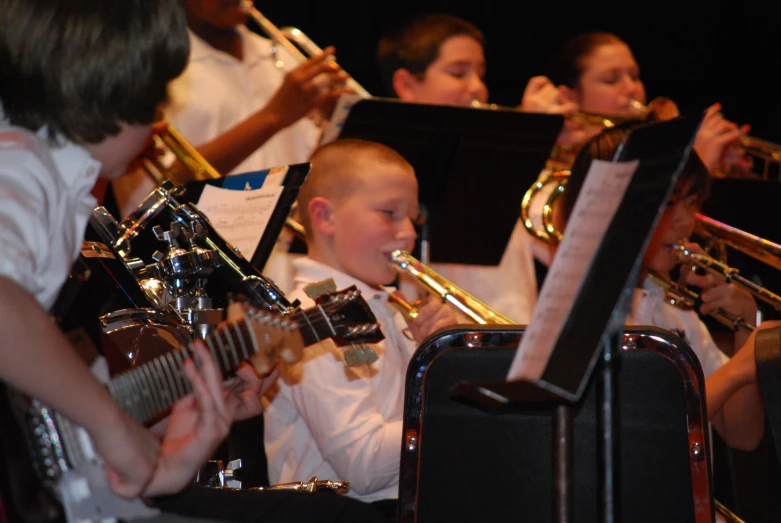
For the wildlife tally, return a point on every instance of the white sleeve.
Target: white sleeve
(23, 218)
(341, 410)
(710, 356)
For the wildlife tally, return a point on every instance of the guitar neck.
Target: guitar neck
(148, 391)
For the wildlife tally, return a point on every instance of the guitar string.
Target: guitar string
(151, 373)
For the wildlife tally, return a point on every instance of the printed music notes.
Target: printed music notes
(599, 199)
(241, 217)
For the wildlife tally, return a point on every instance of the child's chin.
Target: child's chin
(383, 278)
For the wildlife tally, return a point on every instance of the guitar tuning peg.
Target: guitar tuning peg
(319, 289)
(158, 232)
(369, 355)
(364, 329)
(157, 255)
(351, 356)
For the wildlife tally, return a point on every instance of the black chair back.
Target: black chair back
(463, 464)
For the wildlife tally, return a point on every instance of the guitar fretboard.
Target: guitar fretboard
(148, 391)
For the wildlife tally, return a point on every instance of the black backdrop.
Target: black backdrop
(694, 51)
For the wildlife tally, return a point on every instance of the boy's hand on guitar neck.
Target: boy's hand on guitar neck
(198, 423)
(139, 464)
(252, 380)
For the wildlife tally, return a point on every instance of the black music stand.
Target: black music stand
(473, 167)
(295, 176)
(595, 324)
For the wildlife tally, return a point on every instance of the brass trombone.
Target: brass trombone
(446, 290)
(716, 233)
(165, 136)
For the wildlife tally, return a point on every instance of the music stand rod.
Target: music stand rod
(608, 422)
(563, 443)
(425, 242)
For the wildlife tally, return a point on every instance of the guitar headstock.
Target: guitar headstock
(349, 316)
(351, 321)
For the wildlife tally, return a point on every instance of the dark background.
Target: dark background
(692, 51)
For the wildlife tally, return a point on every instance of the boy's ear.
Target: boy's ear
(404, 84)
(321, 214)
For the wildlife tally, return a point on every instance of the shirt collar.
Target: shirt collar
(200, 50)
(652, 288)
(308, 270)
(79, 170)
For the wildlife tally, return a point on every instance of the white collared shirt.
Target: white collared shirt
(45, 202)
(335, 422)
(217, 91)
(649, 307)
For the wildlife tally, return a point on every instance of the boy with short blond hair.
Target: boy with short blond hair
(358, 205)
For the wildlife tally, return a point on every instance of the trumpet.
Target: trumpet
(687, 299)
(433, 282)
(601, 120)
(729, 274)
(293, 41)
(768, 153)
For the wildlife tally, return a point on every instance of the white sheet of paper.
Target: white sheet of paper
(599, 199)
(240, 217)
(343, 107)
(275, 176)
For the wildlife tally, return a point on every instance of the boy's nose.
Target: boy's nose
(406, 232)
(684, 220)
(633, 88)
(477, 88)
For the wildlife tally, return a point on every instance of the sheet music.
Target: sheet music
(599, 199)
(240, 217)
(275, 176)
(343, 107)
